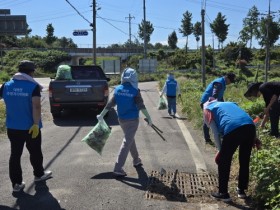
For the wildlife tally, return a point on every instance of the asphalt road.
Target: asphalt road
(83, 179)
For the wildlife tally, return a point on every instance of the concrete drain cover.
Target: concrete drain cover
(180, 186)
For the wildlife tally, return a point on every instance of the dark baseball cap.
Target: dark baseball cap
(253, 89)
(26, 66)
(231, 76)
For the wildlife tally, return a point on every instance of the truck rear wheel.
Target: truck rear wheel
(56, 112)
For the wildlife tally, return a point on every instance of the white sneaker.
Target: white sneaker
(137, 163)
(120, 173)
(47, 174)
(18, 187)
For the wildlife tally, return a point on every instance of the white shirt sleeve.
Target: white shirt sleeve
(215, 131)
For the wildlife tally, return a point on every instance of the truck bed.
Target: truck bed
(88, 88)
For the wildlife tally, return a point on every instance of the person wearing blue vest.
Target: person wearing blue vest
(238, 131)
(129, 101)
(171, 88)
(216, 90)
(22, 98)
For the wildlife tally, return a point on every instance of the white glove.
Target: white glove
(99, 117)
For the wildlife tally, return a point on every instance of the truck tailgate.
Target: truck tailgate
(81, 91)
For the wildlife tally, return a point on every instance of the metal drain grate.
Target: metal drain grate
(180, 186)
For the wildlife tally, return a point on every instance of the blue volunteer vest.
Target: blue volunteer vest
(124, 96)
(209, 90)
(228, 116)
(171, 86)
(17, 95)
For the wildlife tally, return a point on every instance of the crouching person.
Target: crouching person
(238, 130)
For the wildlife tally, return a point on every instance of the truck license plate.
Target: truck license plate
(78, 90)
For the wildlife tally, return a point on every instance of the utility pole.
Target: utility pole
(145, 35)
(213, 46)
(267, 57)
(129, 19)
(203, 48)
(94, 31)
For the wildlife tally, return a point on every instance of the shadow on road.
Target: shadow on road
(138, 183)
(178, 118)
(84, 117)
(105, 175)
(6, 208)
(42, 199)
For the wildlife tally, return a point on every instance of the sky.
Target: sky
(112, 22)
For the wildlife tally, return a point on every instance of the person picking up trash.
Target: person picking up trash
(129, 101)
(238, 131)
(216, 90)
(271, 96)
(171, 88)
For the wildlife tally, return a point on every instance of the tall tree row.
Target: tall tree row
(220, 28)
(187, 26)
(250, 26)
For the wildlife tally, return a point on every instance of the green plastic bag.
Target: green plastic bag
(63, 73)
(98, 136)
(162, 104)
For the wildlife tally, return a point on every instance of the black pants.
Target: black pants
(18, 138)
(241, 137)
(274, 114)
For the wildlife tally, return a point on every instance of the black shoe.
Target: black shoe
(274, 134)
(208, 141)
(221, 196)
(241, 193)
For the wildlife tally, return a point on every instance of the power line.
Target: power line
(78, 12)
(13, 3)
(112, 25)
(52, 18)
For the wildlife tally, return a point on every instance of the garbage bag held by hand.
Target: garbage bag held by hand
(98, 136)
(162, 104)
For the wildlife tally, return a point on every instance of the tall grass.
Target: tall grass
(2, 117)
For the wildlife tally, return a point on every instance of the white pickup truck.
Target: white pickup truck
(88, 88)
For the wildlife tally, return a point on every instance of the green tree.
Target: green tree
(197, 32)
(250, 26)
(64, 42)
(50, 38)
(273, 29)
(220, 28)
(172, 40)
(149, 30)
(236, 51)
(32, 42)
(187, 26)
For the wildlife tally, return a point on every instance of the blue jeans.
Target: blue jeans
(171, 104)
